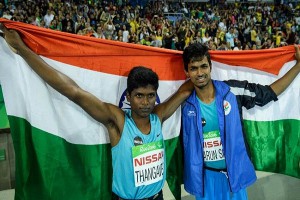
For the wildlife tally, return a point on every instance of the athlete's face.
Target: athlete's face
(199, 72)
(142, 101)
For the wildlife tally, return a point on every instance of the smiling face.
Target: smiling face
(142, 101)
(199, 71)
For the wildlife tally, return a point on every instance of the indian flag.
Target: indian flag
(62, 153)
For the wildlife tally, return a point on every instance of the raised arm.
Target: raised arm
(167, 108)
(105, 113)
(281, 84)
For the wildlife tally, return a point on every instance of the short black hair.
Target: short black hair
(141, 77)
(195, 52)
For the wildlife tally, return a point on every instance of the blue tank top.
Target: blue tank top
(139, 169)
(212, 146)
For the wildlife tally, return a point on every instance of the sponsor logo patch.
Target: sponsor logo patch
(227, 107)
(191, 113)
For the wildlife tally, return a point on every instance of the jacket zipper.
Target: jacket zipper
(226, 173)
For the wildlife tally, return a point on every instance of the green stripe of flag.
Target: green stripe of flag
(3, 116)
(174, 166)
(275, 145)
(48, 167)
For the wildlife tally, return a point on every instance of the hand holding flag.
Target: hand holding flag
(12, 38)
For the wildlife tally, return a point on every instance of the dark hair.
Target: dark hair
(141, 77)
(195, 52)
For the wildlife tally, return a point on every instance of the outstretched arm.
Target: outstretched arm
(167, 108)
(105, 113)
(281, 84)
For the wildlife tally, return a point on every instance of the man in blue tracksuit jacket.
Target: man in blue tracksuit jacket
(216, 162)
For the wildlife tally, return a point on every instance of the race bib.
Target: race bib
(212, 147)
(148, 163)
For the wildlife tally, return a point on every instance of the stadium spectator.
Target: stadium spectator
(260, 24)
(48, 18)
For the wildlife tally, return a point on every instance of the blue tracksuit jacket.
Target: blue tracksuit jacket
(230, 97)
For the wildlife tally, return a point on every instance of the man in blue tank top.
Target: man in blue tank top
(217, 165)
(138, 153)
(139, 163)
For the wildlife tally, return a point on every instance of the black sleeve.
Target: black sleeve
(250, 94)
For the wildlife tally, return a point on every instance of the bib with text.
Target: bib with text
(212, 147)
(148, 163)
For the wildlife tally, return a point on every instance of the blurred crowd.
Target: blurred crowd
(174, 25)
